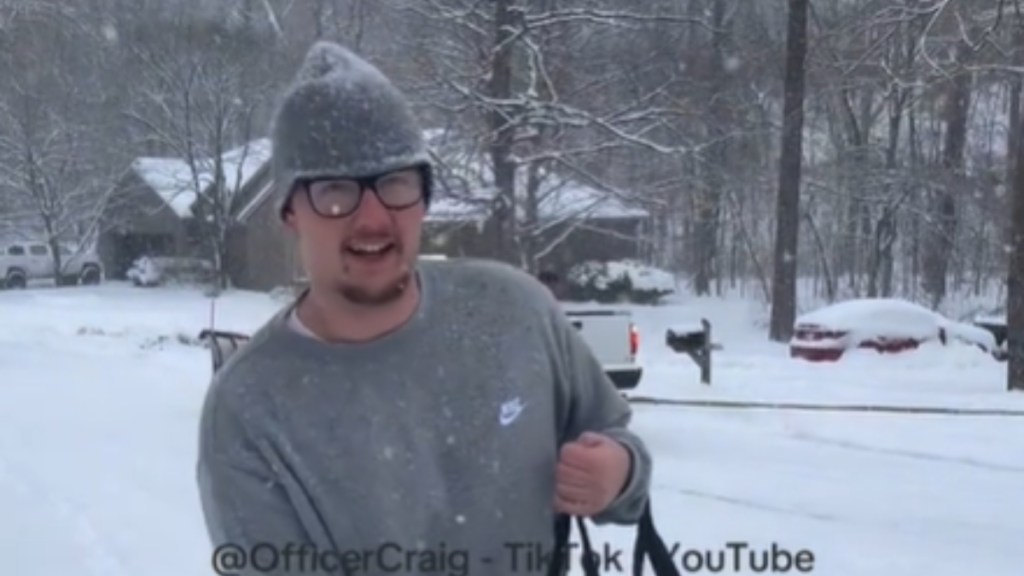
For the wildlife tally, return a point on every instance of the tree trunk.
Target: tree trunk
(880, 262)
(502, 136)
(708, 211)
(939, 249)
(788, 203)
(1015, 278)
(1015, 290)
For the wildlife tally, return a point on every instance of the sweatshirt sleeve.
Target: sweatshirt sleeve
(249, 516)
(589, 401)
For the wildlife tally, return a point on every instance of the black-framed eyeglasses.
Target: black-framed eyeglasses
(340, 197)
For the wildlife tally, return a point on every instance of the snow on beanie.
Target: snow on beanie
(342, 117)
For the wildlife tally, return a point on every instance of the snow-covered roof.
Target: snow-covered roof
(444, 209)
(467, 174)
(243, 162)
(471, 191)
(558, 199)
(172, 179)
(568, 199)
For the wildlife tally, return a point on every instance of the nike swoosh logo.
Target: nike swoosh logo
(510, 412)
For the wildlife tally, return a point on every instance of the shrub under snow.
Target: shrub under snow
(619, 281)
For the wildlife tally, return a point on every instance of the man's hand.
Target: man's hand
(591, 473)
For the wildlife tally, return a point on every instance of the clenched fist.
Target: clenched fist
(591, 473)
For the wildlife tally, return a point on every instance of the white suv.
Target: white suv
(21, 262)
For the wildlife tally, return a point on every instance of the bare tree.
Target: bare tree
(787, 221)
(905, 179)
(1015, 275)
(530, 96)
(201, 93)
(1015, 292)
(51, 173)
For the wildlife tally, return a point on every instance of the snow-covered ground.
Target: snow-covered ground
(100, 389)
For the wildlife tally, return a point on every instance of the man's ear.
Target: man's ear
(288, 213)
(288, 218)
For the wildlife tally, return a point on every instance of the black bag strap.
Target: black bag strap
(648, 545)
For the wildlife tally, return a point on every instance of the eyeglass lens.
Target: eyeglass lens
(342, 196)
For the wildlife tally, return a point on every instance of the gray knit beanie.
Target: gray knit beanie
(341, 117)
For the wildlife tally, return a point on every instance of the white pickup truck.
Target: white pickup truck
(612, 337)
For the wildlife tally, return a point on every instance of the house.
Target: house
(148, 214)
(561, 221)
(155, 209)
(574, 223)
(263, 253)
(155, 214)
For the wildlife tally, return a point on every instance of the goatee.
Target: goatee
(387, 295)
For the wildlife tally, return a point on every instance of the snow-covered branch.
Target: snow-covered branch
(615, 18)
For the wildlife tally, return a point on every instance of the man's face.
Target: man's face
(365, 252)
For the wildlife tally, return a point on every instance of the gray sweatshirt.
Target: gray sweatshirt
(429, 451)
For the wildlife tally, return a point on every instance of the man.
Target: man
(400, 417)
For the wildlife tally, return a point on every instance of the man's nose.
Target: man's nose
(371, 209)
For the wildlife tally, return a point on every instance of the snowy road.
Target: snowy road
(97, 433)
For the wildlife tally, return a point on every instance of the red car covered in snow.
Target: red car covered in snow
(888, 325)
